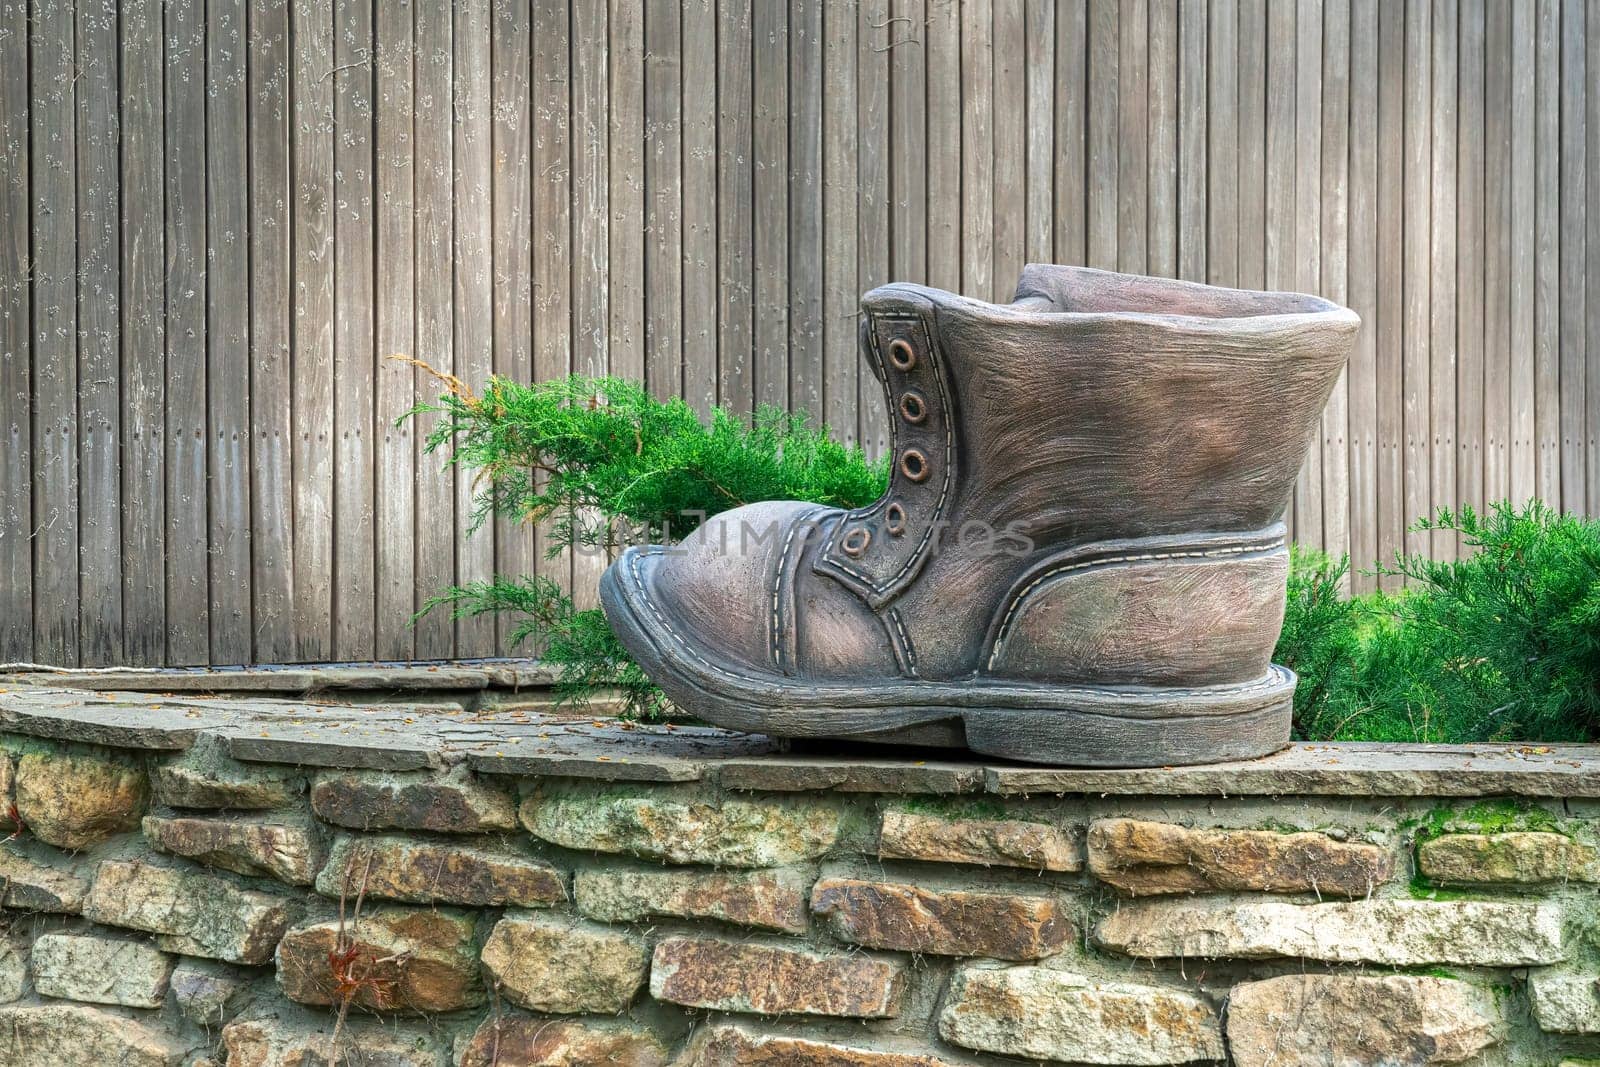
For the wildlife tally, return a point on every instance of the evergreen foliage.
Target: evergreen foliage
(600, 463)
(1503, 644)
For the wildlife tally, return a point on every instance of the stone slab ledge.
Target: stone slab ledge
(400, 736)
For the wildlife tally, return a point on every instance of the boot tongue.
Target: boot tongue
(878, 550)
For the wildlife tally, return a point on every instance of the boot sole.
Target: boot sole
(1085, 726)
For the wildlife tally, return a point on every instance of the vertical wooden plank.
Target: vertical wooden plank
(1103, 107)
(1592, 255)
(1521, 265)
(1418, 248)
(1573, 260)
(872, 212)
(1222, 155)
(16, 473)
(228, 330)
(1163, 250)
(1391, 260)
(312, 360)
(591, 192)
(977, 149)
(1253, 140)
(943, 36)
(1547, 240)
(1133, 135)
(1308, 233)
(1071, 151)
(434, 187)
(700, 278)
(1193, 135)
(474, 281)
(1040, 99)
(55, 334)
(99, 420)
(805, 208)
(1469, 294)
(1009, 100)
(735, 198)
(353, 333)
(770, 140)
(1280, 228)
(269, 199)
(1335, 247)
(1363, 292)
(188, 607)
(839, 290)
(908, 130)
(1497, 148)
(663, 172)
(1442, 283)
(626, 352)
(548, 168)
(396, 256)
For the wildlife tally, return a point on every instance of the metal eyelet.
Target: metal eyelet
(855, 541)
(901, 354)
(894, 519)
(913, 464)
(913, 408)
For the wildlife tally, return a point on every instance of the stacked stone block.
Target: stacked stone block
(183, 908)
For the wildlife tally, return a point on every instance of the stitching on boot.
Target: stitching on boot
(904, 651)
(1135, 557)
(775, 629)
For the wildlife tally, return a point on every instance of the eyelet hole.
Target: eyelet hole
(894, 520)
(901, 354)
(855, 541)
(912, 408)
(914, 465)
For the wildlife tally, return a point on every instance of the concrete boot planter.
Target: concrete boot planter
(1080, 558)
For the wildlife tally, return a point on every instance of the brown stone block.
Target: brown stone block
(1148, 858)
(274, 1041)
(73, 800)
(949, 922)
(31, 885)
(559, 964)
(767, 899)
(775, 980)
(420, 871)
(991, 842)
(287, 851)
(195, 913)
(734, 1046)
(1516, 858)
(454, 803)
(521, 1041)
(74, 1035)
(393, 959)
(1337, 1019)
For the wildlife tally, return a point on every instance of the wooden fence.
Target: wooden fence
(218, 217)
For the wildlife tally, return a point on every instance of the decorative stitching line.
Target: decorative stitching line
(1139, 557)
(774, 630)
(904, 650)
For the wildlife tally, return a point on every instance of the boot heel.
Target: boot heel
(1197, 611)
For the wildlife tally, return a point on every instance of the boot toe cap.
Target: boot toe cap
(714, 590)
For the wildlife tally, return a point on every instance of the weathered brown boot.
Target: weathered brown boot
(1080, 558)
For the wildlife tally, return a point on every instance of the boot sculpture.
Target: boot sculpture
(1080, 558)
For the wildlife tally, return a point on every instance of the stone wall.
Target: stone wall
(168, 903)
